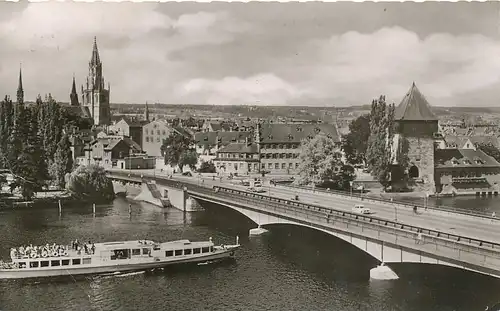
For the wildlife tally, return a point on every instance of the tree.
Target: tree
(321, 163)
(63, 162)
(189, 158)
(490, 150)
(379, 153)
(173, 147)
(90, 184)
(207, 167)
(355, 143)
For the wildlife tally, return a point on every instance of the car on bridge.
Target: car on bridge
(361, 209)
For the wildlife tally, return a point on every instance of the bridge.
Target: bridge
(393, 234)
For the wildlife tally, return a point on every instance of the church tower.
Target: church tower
(20, 90)
(94, 94)
(74, 96)
(146, 113)
(416, 122)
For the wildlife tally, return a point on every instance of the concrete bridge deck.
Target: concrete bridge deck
(465, 241)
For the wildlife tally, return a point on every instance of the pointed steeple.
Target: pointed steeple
(20, 90)
(146, 112)
(74, 96)
(95, 60)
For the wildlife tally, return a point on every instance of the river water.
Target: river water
(291, 268)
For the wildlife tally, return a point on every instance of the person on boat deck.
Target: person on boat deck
(93, 248)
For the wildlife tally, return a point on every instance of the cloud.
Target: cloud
(134, 41)
(265, 89)
(356, 66)
(234, 56)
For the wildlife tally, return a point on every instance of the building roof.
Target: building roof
(78, 111)
(295, 133)
(183, 131)
(460, 140)
(239, 148)
(445, 158)
(134, 123)
(210, 138)
(414, 107)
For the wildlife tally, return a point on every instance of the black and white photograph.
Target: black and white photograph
(337, 156)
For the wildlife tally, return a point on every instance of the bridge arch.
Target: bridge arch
(385, 252)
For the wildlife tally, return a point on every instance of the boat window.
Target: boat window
(212, 249)
(34, 264)
(76, 261)
(169, 253)
(86, 261)
(196, 250)
(55, 263)
(145, 251)
(22, 264)
(120, 254)
(136, 252)
(44, 263)
(65, 262)
(187, 251)
(178, 252)
(205, 249)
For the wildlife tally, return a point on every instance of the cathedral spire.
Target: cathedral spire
(95, 60)
(73, 96)
(20, 90)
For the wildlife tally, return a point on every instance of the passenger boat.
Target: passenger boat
(125, 256)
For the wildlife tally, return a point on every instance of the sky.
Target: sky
(306, 54)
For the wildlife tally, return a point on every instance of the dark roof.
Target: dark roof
(445, 158)
(414, 107)
(456, 140)
(134, 122)
(79, 111)
(295, 133)
(210, 138)
(240, 148)
(183, 131)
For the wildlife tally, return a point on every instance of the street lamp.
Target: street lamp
(395, 210)
(351, 183)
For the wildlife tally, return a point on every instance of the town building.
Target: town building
(153, 134)
(94, 94)
(279, 144)
(129, 128)
(465, 171)
(238, 159)
(208, 143)
(106, 151)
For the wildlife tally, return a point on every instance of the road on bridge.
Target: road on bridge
(454, 223)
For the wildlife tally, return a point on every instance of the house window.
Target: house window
(263, 166)
(290, 165)
(157, 139)
(276, 166)
(147, 139)
(296, 165)
(269, 165)
(283, 166)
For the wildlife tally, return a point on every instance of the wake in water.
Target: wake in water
(119, 274)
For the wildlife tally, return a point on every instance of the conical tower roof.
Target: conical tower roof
(414, 107)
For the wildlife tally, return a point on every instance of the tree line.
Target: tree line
(34, 143)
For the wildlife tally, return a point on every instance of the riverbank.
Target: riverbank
(14, 200)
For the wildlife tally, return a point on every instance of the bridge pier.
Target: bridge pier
(383, 272)
(257, 231)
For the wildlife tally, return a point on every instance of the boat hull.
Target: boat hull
(126, 267)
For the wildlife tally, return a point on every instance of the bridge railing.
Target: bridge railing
(369, 218)
(382, 200)
(459, 249)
